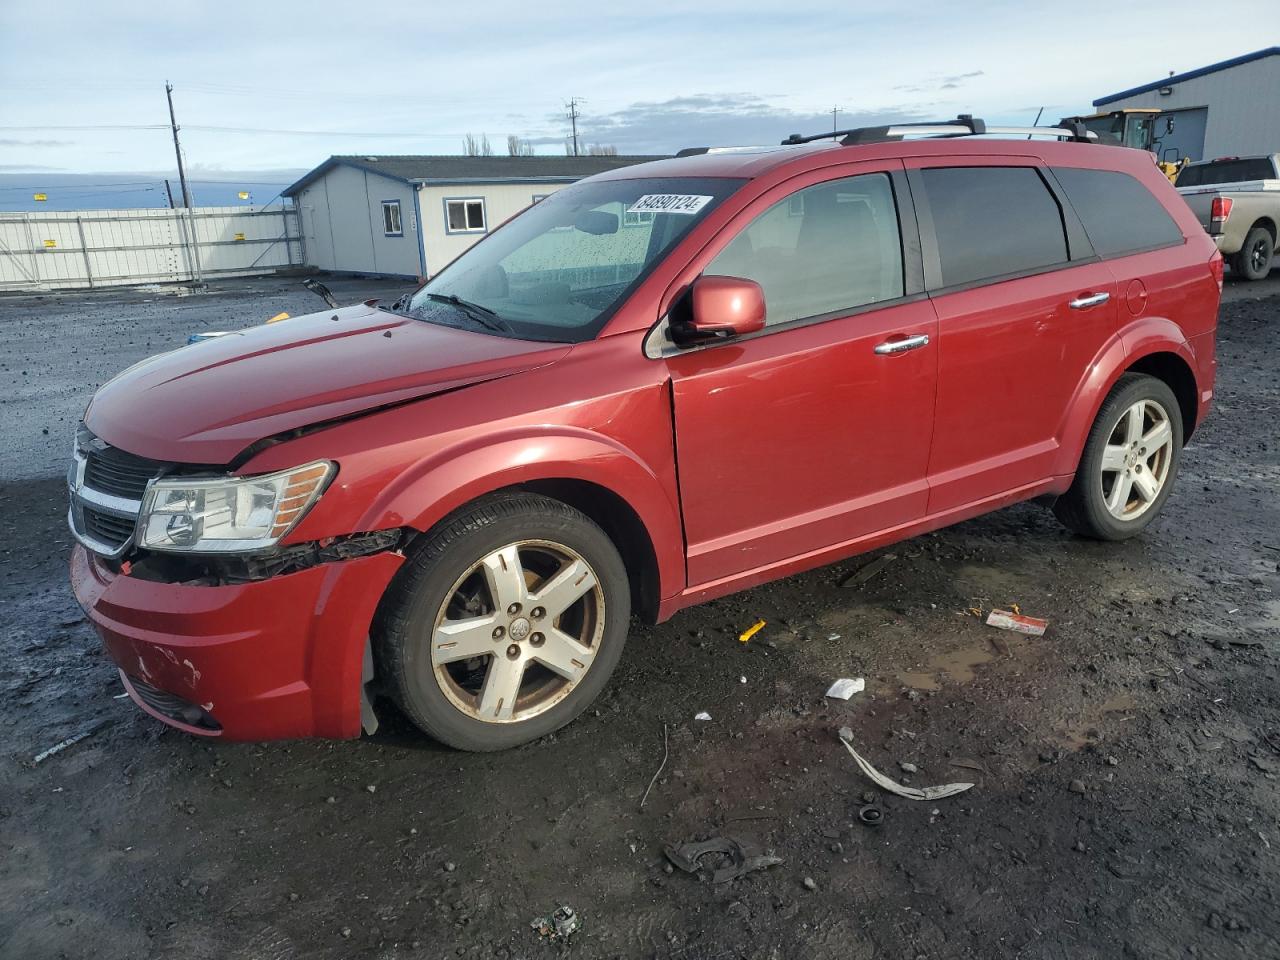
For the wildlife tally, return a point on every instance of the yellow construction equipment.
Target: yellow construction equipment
(1139, 127)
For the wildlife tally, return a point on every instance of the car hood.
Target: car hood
(207, 402)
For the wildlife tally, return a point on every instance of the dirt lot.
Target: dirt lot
(1126, 763)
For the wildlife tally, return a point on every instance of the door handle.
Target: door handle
(1089, 300)
(914, 342)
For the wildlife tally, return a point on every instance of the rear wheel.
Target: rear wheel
(1129, 463)
(505, 624)
(1253, 262)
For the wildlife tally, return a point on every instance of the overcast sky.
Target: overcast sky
(271, 85)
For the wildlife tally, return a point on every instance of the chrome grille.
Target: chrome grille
(106, 527)
(121, 474)
(106, 486)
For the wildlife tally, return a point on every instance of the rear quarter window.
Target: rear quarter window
(1119, 214)
(992, 222)
(1226, 171)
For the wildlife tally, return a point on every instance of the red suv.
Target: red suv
(657, 386)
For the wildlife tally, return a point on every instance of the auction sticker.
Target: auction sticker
(686, 203)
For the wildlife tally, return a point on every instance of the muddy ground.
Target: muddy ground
(1127, 763)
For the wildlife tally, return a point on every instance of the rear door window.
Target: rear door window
(827, 248)
(1119, 214)
(993, 221)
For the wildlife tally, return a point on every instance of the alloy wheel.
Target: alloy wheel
(1258, 256)
(1135, 462)
(518, 631)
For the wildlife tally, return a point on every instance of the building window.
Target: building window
(391, 218)
(464, 215)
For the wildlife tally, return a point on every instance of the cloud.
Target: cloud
(8, 142)
(29, 168)
(934, 83)
(721, 119)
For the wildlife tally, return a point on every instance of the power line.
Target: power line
(87, 186)
(250, 130)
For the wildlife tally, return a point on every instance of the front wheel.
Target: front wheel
(505, 624)
(1129, 463)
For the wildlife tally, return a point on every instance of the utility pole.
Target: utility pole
(186, 194)
(168, 190)
(572, 107)
(834, 112)
(177, 148)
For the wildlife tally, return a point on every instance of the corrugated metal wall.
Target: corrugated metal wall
(91, 248)
(1243, 102)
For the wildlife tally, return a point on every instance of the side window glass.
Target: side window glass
(993, 221)
(1119, 214)
(826, 248)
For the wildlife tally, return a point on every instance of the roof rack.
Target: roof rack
(964, 125)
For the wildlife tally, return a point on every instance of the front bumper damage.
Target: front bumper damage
(263, 659)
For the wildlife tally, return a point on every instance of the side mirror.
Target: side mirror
(724, 307)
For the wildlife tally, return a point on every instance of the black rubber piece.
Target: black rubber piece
(871, 815)
(1082, 508)
(402, 629)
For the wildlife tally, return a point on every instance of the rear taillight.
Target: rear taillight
(1215, 268)
(1218, 213)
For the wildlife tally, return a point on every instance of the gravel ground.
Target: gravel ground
(1126, 763)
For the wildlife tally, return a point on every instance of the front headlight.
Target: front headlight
(228, 514)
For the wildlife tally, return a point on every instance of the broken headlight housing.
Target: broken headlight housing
(228, 514)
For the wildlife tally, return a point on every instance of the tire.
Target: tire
(1253, 262)
(554, 652)
(1099, 505)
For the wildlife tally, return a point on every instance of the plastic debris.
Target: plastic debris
(868, 570)
(71, 741)
(210, 335)
(278, 317)
(685, 856)
(661, 767)
(844, 688)
(702, 715)
(560, 924)
(751, 631)
(911, 793)
(1017, 622)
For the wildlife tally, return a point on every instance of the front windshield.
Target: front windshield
(559, 269)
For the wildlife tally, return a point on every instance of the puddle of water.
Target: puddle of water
(957, 666)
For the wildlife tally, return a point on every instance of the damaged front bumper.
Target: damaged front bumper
(265, 659)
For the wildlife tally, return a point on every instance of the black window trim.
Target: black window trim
(1079, 250)
(657, 347)
(1182, 237)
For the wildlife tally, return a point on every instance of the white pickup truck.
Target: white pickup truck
(1238, 202)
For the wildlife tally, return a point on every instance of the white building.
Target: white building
(1227, 109)
(410, 216)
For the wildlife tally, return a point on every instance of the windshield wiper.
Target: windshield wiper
(477, 312)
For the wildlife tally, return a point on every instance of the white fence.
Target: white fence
(93, 248)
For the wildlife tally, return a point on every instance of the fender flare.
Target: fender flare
(1140, 338)
(454, 476)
